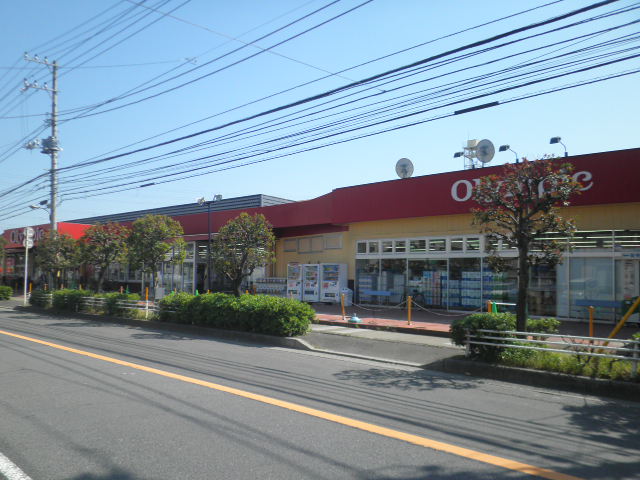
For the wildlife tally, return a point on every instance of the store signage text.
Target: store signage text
(462, 190)
(17, 236)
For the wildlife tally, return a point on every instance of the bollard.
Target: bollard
(342, 305)
(409, 310)
(591, 311)
(489, 306)
(121, 289)
(146, 293)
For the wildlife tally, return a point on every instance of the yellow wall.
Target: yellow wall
(598, 217)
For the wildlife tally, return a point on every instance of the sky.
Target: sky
(135, 74)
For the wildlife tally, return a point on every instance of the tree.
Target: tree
(242, 245)
(3, 242)
(519, 207)
(57, 252)
(152, 238)
(102, 245)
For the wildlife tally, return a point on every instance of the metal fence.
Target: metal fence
(596, 347)
(99, 303)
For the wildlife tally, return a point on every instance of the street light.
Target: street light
(504, 148)
(458, 154)
(557, 140)
(201, 201)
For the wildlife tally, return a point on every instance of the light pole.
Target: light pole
(558, 140)
(201, 201)
(504, 148)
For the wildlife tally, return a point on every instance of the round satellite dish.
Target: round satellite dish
(485, 151)
(404, 168)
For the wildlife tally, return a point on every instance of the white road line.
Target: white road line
(10, 470)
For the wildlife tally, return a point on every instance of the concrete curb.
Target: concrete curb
(258, 338)
(368, 326)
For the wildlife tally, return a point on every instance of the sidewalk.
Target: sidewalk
(437, 323)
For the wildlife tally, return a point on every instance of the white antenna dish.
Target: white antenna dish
(485, 151)
(404, 168)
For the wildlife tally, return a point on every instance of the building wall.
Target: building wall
(595, 217)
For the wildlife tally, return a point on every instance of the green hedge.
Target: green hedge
(250, 313)
(40, 298)
(495, 321)
(6, 293)
(112, 307)
(68, 299)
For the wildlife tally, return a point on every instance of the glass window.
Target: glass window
(456, 244)
(500, 286)
(627, 239)
(332, 242)
(401, 246)
(592, 240)
(392, 280)
(362, 247)
(465, 281)
(473, 244)
(367, 272)
(437, 245)
(317, 244)
(387, 246)
(290, 245)
(542, 290)
(373, 247)
(416, 246)
(491, 244)
(304, 245)
(590, 279)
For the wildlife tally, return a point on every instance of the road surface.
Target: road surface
(92, 401)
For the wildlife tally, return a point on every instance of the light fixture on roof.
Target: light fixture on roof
(504, 148)
(558, 140)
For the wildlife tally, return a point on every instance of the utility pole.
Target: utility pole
(50, 145)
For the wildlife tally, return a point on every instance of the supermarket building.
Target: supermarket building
(415, 236)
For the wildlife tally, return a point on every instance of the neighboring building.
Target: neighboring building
(415, 237)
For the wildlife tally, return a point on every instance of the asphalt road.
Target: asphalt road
(128, 403)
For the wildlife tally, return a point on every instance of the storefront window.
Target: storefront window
(500, 287)
(392, 280)
(417, 246)
(373, 247)
(456, 244)
(592, 240)
(437, 245)
(401, 246)
(387, 246)
(427, 282)
(465, 283)
(367, 272)
(362, 247)
(542, 290)
(491, 244)
(473, 244)
(627, 239)
(591, 279)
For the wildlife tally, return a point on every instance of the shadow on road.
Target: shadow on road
(404, 380)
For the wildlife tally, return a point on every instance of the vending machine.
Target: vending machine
(332, 281)
(294, 281)
(311, 282)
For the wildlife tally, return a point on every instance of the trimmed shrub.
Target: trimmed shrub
(250, 313)
(69, 299)
(6, 293)
(40, 298)
(497, 321)
(112, 307)
(173, 306)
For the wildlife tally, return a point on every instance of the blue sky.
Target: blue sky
(594, 118)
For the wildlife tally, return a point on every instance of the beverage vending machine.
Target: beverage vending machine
(332, 281)
(294, 281)
(311, 282)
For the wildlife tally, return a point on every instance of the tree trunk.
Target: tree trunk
(100, 279)
(523, 288)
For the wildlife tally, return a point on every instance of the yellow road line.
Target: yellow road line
(367, 427)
